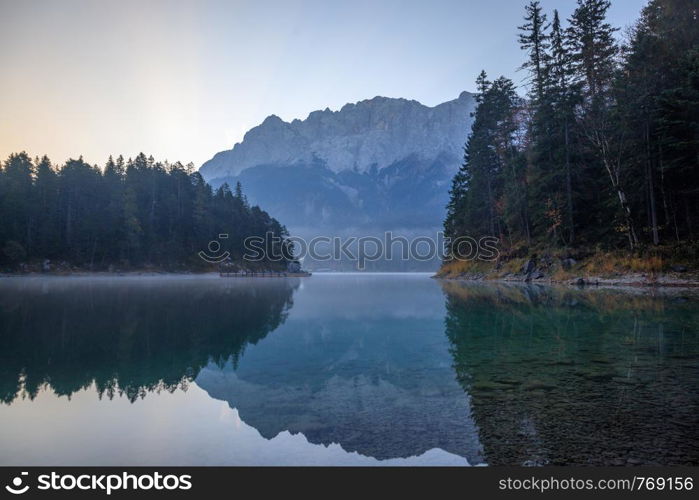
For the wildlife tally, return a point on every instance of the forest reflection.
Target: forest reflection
(564, 376)
(128, 336)
(545, 375)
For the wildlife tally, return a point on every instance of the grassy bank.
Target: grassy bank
(661, 266)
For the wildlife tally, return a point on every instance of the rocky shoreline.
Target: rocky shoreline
(629, 280)
(571, 272)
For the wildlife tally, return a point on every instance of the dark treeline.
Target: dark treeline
(604, 149)
(137, 212)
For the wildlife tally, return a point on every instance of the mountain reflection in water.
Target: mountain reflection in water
(344, 369)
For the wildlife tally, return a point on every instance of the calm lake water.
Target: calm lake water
(343, 370)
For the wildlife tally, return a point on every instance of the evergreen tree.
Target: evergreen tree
(45, 204)
(655, 91)
(17, 201)
(488, 194)
(605, 149)
(563, 98)
(135, 213)
(535, 40)
(594, 51)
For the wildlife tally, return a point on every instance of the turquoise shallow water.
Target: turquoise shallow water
(343, 370)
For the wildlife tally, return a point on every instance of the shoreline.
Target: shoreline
(629, 281)
(662, 268)
(105, 274)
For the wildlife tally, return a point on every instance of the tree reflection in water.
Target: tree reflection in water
(128, 336)
(562, 376)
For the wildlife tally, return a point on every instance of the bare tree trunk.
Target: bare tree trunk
(651, 189)
(491, 217)
(522, 201)
(613, 169)
(569, 184)
(688, 218)
(623, 201)
(666, 210)
(526, 224)
(524, 204)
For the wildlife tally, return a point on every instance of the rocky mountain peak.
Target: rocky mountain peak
(373, 133)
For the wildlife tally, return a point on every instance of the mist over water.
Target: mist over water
(342, 369)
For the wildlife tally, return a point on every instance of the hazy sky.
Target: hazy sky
(182, 80)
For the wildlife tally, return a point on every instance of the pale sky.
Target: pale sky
(182, 80)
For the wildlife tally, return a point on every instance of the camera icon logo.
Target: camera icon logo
(16, 487)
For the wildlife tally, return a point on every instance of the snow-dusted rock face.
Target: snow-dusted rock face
(373, 133)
